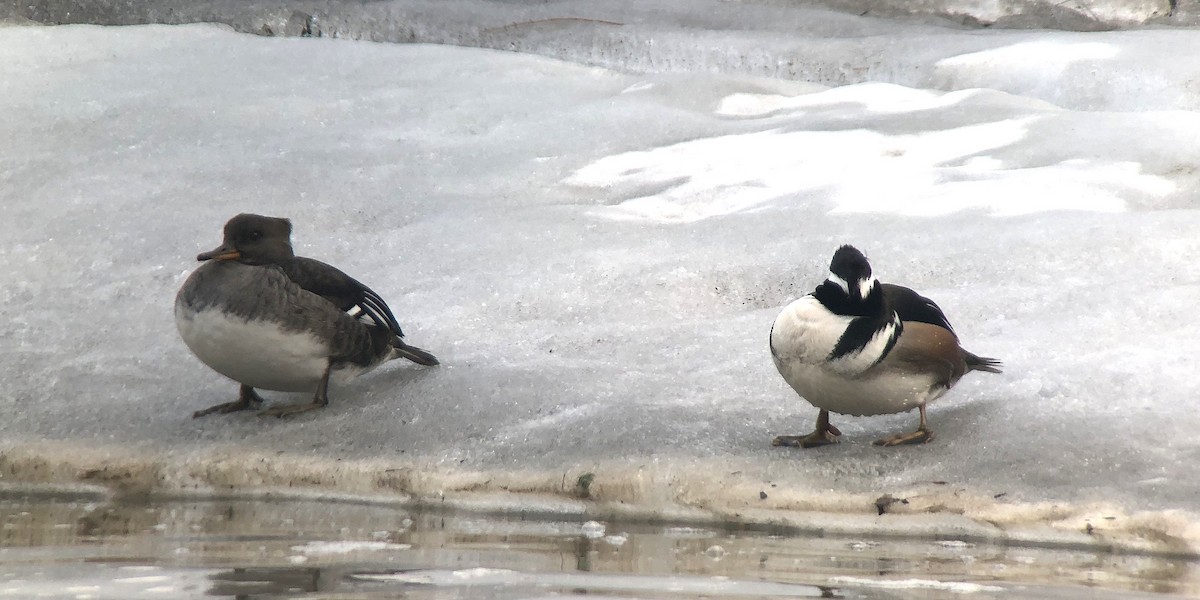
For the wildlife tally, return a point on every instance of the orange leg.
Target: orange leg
(823, 435)
(923, 435)
(320, 399)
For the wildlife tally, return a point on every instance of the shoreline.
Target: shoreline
(56, 470)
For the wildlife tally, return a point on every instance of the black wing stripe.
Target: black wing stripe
(379, 310)
(367, 310)
(912, 306)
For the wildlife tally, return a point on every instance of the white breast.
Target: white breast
(256, 353)
(806, 332)
(802, 338)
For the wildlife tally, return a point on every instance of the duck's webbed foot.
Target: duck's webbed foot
(823, 435)
(920, 436)
(923, 435)
(247, 399)
(320, 399)
(290, 409)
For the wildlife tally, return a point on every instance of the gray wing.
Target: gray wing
(265, 292)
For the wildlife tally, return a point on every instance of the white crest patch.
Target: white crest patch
(839, 282)
(865, 286)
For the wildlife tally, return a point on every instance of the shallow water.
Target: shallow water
(57, 548)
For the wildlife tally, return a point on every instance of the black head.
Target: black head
(850, 266)
(851, 288)
(254, 240)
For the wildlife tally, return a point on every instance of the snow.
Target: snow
(596, 258)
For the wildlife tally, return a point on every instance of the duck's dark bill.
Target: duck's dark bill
(222, 253)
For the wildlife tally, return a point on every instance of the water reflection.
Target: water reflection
(266, 549)
(246, 583)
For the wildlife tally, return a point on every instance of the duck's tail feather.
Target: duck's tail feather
(413, 353)
(982, 363)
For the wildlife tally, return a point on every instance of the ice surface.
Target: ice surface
(596, 257)
(796, 39)
(415, 18)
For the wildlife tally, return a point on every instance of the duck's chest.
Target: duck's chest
(225, 315)
(807, 333)
(258, 353)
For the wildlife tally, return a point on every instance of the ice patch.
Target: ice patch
(715, 586)
(616, 540)
(958, 544)
(956, 587)
(145, 579)
(1050, 58)
(593, 530)
(326, 548)
(688, 533)
(881, 98)
(855, 171)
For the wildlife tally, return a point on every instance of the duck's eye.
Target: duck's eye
(255, 236)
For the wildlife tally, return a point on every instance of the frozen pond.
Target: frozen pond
(79, 549)
(596, 255)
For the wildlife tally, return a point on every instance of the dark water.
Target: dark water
(317, 550)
